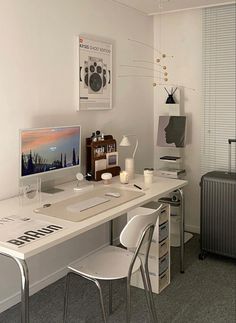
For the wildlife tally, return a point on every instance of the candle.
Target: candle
(124, 177)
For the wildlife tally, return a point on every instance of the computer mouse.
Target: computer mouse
(113, 194)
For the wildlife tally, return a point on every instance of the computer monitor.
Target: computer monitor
(45, 150)
(171, 131)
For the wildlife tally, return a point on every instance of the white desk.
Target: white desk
(160, 187)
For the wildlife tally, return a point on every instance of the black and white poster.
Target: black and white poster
(95, 74)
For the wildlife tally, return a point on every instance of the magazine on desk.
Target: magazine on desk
(19, 231)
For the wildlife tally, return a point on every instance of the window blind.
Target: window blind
(219, 73)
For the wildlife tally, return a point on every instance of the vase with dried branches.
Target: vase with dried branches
(170, 99)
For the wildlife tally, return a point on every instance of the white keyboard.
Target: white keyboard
(87, 204)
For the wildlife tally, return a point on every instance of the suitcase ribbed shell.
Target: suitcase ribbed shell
(218, 213)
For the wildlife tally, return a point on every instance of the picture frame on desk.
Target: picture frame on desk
(112, 159)
(100, 165)
(100, 152)
(29, 191)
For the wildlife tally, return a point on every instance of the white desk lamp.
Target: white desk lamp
(129, 162)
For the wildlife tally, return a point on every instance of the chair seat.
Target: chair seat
(108, 263)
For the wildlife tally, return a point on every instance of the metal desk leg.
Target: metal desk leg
(111, 232)
(110, 282)
(24, 287)
(182, 228)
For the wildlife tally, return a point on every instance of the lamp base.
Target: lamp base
(129, 167)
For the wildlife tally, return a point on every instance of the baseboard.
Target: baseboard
(37, 286)
(192, 228)
(116, 241)
(175, 239)
(34, 288)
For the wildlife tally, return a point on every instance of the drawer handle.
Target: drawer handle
(163, 224)
(163, 276)
(162, 240)
(163, 244)
(163, 211)
(164, 257)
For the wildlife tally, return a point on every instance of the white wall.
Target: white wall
(38, 89)
(180, 34)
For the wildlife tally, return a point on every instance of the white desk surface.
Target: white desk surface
(160, 187)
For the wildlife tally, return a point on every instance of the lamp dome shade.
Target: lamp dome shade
(125, 141)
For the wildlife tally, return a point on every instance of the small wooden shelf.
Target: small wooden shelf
(113, 170)
(96, 151)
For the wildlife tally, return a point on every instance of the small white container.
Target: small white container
(148, 176)
(106, 178)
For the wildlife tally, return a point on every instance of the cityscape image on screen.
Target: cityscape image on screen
(48, 149)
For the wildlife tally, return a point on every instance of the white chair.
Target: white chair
(111, 263)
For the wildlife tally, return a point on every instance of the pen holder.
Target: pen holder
(148, 177)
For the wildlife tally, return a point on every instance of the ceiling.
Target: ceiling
(151, 7)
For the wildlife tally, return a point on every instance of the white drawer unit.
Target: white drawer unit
(159, 255)
(163, 231)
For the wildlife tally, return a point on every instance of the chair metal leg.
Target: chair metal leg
(66, 297)
(111, 232)
(101, 299)
(146, 293)
(67, 291)
(110, 297)
(150, 294)
(110, 282)
(128, 305)
(182, 228)
(95, 281)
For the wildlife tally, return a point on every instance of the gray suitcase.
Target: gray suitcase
(218, 212)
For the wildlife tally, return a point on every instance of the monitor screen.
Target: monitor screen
(49, 149)
(171, 131)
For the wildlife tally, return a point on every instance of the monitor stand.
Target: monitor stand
(83, 186)
(49, 188)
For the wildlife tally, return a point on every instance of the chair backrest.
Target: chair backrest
(134, 229)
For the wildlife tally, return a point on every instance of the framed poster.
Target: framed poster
(95, 73)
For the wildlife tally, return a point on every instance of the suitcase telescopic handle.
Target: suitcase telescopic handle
(230, 141)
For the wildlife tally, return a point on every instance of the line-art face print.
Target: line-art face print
(175, 131)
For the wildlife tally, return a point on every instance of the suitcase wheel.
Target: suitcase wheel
(202, 255)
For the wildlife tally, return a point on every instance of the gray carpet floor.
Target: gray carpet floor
(205, 293)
